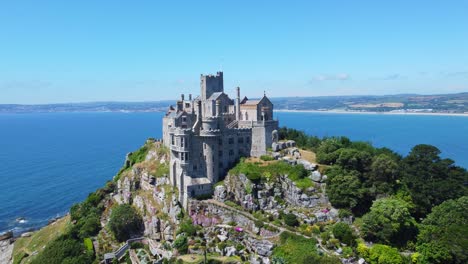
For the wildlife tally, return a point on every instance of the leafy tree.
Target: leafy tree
(125, 222)
(89, 226)
(389, 221)
(352, 159)
(382, 254)
(344, 188)
(384, 171)
(344, 233)
(432, 180)
(443, 236)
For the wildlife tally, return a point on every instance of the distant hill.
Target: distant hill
(439, 103)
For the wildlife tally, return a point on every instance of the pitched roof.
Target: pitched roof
(251, 102)
(215, 96)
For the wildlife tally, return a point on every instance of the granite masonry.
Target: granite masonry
(208, 134)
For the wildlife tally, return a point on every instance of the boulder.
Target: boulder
(220, 193)
(275, 147)
(316, 176)
(230, 251)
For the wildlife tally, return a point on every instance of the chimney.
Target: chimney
(238, 104)
(182, 97)
(190, 97)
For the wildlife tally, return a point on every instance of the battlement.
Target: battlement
(210, 84)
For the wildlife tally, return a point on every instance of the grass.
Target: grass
(37, 242)
(198, 259)
(269, 171)
(295, 249)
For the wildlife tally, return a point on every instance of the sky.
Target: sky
(81, 51)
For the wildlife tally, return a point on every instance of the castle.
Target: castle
(207, 135)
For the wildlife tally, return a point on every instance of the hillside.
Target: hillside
(440, 103)
(309, 201)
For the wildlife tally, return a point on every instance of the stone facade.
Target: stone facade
(207, 135)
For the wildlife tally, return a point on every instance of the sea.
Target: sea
(49, 161)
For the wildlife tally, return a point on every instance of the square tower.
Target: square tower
(210, 84)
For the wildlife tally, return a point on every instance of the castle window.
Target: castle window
(231, 141)
(225, 109)
(248, 139)
(182, 142)
(220, 153)
(172, 140)
(220, 164)
(195, 167)
(240, 140)
(231, 152)
(187, 105)
(220, 142)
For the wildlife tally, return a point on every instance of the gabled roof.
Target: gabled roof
(215, 96)
(251, 102)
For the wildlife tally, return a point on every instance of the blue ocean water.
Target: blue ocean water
(50, 161)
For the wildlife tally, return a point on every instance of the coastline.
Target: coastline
(370, 112)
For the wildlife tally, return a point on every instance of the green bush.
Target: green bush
(291, 219)
(64, 249)
(344, 233)
(188, 228)
(181, 244)
(125, 222)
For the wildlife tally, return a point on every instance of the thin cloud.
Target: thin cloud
(392, 77)
(332, 77)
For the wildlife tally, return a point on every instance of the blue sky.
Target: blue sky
(77, 51)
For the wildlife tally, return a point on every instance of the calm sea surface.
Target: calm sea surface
(51, 161)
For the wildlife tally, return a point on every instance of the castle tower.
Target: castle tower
(210, 84)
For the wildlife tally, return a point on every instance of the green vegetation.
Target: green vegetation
(266, 158)
(392, 194)
(389, 221)
(297, 249)
(64, 249)
(443, 236)
(125, 222)
(291, 219)
(344, 233)
(181, 244)
(271, 171)
(25, 246)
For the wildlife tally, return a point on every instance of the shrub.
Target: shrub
(188, 228)
(181, 244)
(125, 222)
(64, 249)
(344, 233)
(291, 220)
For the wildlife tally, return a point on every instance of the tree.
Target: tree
(432, 180)
(443, 236)
(382, 254)
(389, 221)
(384, 171)
(344, 188)
(352, 159)
(344, 233)
(125, 222)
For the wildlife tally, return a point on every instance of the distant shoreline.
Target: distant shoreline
(370, 112)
